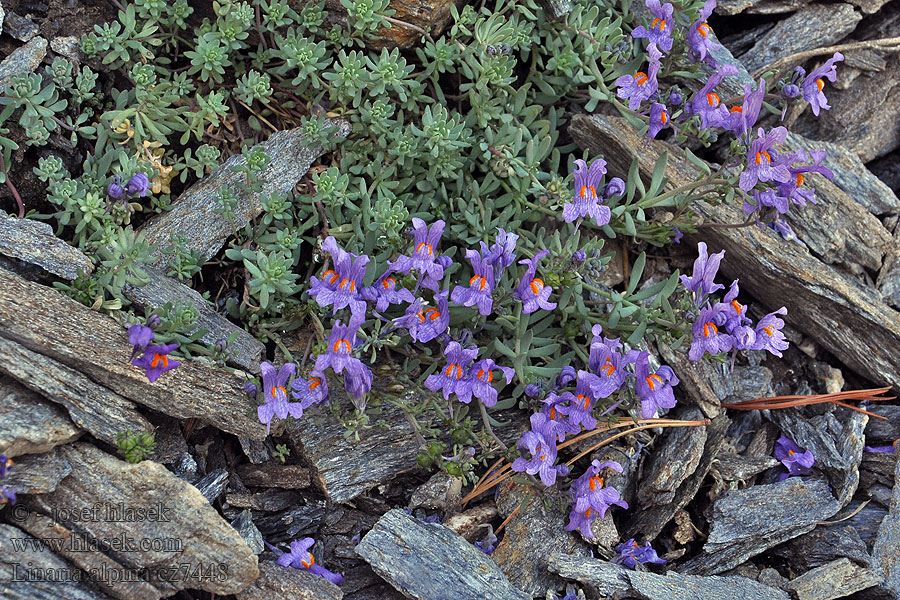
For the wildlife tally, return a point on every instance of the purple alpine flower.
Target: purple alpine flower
(425, 324)
(341, 287)
(385, 292)
(814, 84)
(609, 368)
(641, 86)
(767, 197)
(480, 287)
(532, 291)
(341, 342)
(733, 314)
(140, 337)
(701, 282)
(615, 187)
(698, 36)
(797, 460)
(155, 361)
(677, 234)
(557, 425)
(313, 390)
(769, 335)
(630, 554)
(115, 189)
(707, 337)
(358, 382)
(423, 259)
(540, 443)
(742, 118)
(659, 119)
(590, 499)
(566, 375)
(139, 185)
(489, 543)
(707, 103)
(660, 32)
(761, 165)
(793, 189)
(483, 378)
(455, 377)
(579, 256)
(581, 402)
(301, 558)
(880, 449)
(586, 202)
(275, 394)
(654, 389)
(503, 251)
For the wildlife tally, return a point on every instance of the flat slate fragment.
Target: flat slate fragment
(28, 423)
(836, 579)
(836, 440)
(747, 522)
(96, 346)
(274, 475)
(38, 473)
(194, 214)
(277, 583)
(33, 242)
(94, 408)
(887, 541)
(245, 350)
(825, 544)
(22, 60)
(675, 457)
(531, 536)
(608, 579)
(427, 561)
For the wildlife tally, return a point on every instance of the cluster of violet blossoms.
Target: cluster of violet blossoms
(725, 326)
(153, 359)
(301, 558)
(137, 187)
(773, 180)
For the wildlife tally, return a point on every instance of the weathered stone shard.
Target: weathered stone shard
(646, 522)
(196, 214)
(608, 579)
(274, 475)
(28, 423)
(95, 345)
(31, 554)
(22, 60)
(426, 561)
(533, 534)
(92, 407)
(276, 583)
(886, 557)
(759, 7)
(38, 473)
(675, 458)
(810, 27)
(823, 545)
(245, 350)
(21, 28)
(836, 579)
(889, 277)
(835, 440)
(747, 522)
(170, 524)
(846, 317)
(345, 467)
(33, 242)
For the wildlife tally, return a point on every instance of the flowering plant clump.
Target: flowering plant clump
(450, 260)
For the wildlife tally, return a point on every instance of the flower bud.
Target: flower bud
(791, 91)
(675, 97)
(115, 189)
(579, 257)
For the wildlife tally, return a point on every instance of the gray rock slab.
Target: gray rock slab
(704, 383)
(836, 440)
(66, 45)
(646, 522)
(274, 475)
(245, 351)
(28, 423)
(887, 541)
(343, 467)
(747, 522)
(759, 7)
(300, 520)
(277, 583)
(194, 214)
(180, 525)
(888, 282)
(823, 545)
(212, 484)
(735, 467)
(675, 457)
(427, 561)
(266, 501)
(812, 26)
(243, 524)
(38, 473)
(750, 383)
(880, 432)
(92, 407)
(19, 27)
(95, 345)
(608, 579)
(30, 553)
(22, 60)
(536, 532)
(843, 315)
(33, 242)
(836, 579)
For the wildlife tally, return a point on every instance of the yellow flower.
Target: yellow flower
(154, 152)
